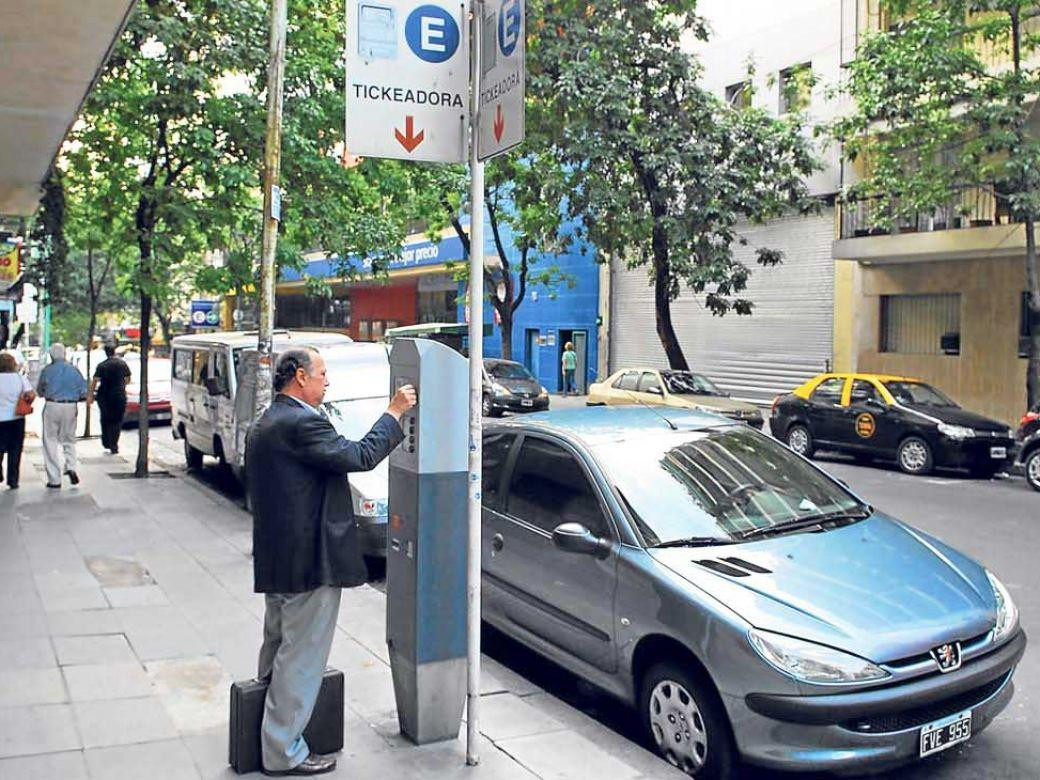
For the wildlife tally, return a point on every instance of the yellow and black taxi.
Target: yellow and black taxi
(891, 417)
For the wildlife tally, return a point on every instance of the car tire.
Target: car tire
(487, 408)
(914, 456)
(192, 457)
(1032, 467)
(673, 696)
(800, 441)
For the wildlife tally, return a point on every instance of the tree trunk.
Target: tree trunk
(663, 304)
(1033, 313)
(505, 314)
(165, 324)
(90, 328)
(141, 469)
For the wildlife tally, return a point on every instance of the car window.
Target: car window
(627, 381)
(649, 382)
(829, 391)
(918, 393)
(201, 368)
(220, 371)
(508, 371)
(864, 391)
(688, 383)
(495, 453)
(549, 487)
(182, 364)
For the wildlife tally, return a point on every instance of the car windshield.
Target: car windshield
(718, 485)
(918, 393)
(687, 383)
(508, 371)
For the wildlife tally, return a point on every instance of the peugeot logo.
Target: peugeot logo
(948, 656)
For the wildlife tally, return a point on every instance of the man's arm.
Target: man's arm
(91, 390)
(41, 383)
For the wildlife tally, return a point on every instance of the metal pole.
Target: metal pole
(272, 177)
(476, 363)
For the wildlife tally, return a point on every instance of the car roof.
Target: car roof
(602, 424)
(241, 338)
(865, 375)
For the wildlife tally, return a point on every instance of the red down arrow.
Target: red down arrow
(500, 123)
(409, 139)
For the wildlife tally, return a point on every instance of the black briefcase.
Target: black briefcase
(324, 732)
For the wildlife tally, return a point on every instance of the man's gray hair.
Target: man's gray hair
(57, 351)
(289, 362)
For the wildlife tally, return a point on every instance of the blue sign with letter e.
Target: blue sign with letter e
(509, 26)
(432, 33)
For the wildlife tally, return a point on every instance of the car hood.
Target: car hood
(957, 416)
(520, 385)
(713, 403)
(876, 588)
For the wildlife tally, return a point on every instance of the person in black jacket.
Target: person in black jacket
(305, 545)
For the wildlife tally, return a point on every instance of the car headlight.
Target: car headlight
(370, 507)
(544, 393)
(500, 389)
(958, 432)
(1007, 612)
(812, 663)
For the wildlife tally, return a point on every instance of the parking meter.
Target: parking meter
(426, 542)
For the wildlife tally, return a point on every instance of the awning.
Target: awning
(51, 52)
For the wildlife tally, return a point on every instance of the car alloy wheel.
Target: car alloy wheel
(485, 406)
(1033, 470)
(915, 456)
(799, 440)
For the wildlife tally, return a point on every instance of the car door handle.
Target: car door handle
(497, 543)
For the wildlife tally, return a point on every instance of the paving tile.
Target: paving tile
(196, 692)
(98, 682)
(77, 622)
(50, 766)
(20, 687)
(93, 649)
(167, 760)
(176, 639)
(562, 755)
(504, 716)
(138, 596)
(47, 728)
(26, 653)
(19, 625)
(73, 598)
(122, 722)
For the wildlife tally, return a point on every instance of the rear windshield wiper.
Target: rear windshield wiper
(695, 541)
(840, 517)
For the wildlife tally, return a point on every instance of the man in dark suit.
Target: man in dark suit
(305, 545)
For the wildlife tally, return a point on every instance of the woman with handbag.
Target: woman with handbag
(16, 397)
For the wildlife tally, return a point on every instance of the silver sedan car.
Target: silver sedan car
(747, 605)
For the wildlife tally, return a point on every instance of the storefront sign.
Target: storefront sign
(10, 264)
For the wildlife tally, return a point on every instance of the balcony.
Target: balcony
(977, 224)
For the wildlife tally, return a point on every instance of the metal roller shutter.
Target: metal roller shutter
(786, 340)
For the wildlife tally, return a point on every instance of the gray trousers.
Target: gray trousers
(59, 436)
(298, 631)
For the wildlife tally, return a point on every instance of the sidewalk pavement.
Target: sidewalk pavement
(126, 610)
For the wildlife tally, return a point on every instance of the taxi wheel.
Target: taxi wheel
(686, 723)
(1033, 470)
(915, 456)
(800, 440)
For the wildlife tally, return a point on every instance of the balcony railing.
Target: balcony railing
(976, 207)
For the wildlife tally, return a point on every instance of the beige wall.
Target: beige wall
(988, 376)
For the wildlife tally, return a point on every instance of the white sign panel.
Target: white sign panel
(407, 79)
(502, 77)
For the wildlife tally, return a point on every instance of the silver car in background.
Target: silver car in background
(746, 604)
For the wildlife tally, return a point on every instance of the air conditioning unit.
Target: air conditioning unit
(950, 343)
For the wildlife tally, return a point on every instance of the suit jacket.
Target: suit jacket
(304, 532)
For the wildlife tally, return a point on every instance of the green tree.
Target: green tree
(943, 102)
(660, 172)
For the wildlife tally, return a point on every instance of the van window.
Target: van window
(201, 368)
(182, 364)
(220, 371)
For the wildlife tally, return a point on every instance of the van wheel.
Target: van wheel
(686, 723)
(1033, 469)
(800, 440)
(192, 457)
(915, 456)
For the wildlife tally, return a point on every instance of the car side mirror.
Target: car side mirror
(576, 538)
(876, 403)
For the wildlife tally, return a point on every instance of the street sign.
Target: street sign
(10, 264)
(205, 314)
(502, 53)
(408, 79)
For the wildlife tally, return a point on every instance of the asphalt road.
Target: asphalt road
(997, 522)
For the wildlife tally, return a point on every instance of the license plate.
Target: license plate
(998, 452)
(527, 403)
(945, 733)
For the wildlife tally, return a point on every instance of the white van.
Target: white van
(205, 384)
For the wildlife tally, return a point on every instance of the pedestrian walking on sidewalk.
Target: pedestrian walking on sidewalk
(305, 545)
(108, 388)
(13, 387)
(569, 363)
(62, 386)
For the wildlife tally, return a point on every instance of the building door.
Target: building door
(531, 350)
(581, 375)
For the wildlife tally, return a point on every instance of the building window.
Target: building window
(921, 324)
(313, 311)
(739, 95)
(1026, 329)
(795, 88)
(374, 330)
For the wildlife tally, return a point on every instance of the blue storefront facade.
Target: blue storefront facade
(547, 319)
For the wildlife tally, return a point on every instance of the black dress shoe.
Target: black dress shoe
(52, 485)
(312, 765)
(73, 477)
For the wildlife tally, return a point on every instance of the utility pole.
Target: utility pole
(272, 201)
